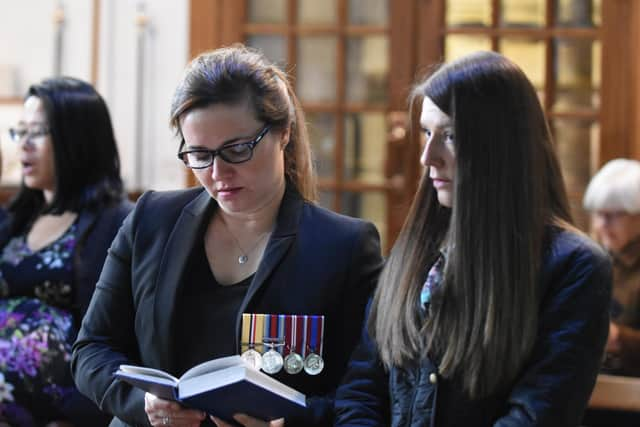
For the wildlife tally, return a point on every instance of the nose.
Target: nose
(220, 169)
(431, 153)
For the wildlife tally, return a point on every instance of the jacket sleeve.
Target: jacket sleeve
(106, 338)
(362, 399)
(574, 319)
(365, 263)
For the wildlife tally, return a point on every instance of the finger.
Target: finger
(219, 422)
(248, 421)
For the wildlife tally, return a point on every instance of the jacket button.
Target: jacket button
(433, 378)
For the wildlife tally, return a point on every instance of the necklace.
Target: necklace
(244, 255)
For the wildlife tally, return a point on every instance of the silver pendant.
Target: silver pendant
(242, 259)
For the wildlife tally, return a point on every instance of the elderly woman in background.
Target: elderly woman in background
(613, 198)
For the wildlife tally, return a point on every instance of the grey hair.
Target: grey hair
(616, 187)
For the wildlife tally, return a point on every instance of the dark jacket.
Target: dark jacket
(96, 228)
(316, 262)
(555, 383)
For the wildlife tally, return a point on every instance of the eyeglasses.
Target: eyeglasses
(32, 134)
(201, 158)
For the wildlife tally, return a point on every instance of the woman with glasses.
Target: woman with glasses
(492, 309)
(53, 244)
(190, 267)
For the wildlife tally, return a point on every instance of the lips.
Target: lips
(227, 191)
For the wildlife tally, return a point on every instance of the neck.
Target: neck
(48, 196)
(260, 220)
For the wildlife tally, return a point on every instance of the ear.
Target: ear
(284, 138)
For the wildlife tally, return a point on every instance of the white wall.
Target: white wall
(27, 30)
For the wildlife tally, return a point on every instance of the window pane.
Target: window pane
(368, 12)
(578, 13)
(322, 130)
(578, 74)
(575, 141)
(365, 147)
(367, 68)
(316, 69)
(371, 206)
(466, 13)
(529, 54)
(267, 11)
(523, 13)
(458, 45)
(274, 47)
(317, 12)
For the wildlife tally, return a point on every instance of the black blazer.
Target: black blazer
(316, 262)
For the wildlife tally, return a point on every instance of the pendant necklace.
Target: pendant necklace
(244, 255)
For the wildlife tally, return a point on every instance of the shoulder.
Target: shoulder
(325, 221)
(165, 204)
(573, 259)
(569, 248)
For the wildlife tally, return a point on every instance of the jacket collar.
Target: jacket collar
(189, 230)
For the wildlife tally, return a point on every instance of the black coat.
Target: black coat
(555, 383)
(316, 262)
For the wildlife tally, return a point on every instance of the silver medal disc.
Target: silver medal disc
(313, 364)
(252, 358)
(272, 362)
(293, 363)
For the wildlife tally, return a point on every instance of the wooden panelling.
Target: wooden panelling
(620, 112)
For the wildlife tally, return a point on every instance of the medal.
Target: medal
(252, 358)
(313, 364)
(272, 362)
(314, 336)
(251, 334)
(293, 363)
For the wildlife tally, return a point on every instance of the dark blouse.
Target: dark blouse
(38, 324)
(206, 314)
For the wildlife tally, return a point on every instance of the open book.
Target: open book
(220, 387)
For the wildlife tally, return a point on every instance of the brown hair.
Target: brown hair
(238, 74)
(508, 190)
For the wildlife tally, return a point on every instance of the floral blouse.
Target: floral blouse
(37, 328)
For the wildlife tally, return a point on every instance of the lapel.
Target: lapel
(283, 236)
(187, 231)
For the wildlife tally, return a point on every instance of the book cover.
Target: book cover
(220, 387)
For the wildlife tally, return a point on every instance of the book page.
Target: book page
(141, 370)
(213, 365)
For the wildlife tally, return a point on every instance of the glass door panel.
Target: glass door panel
(316, 69)
(365, 147)
(317, 12)
(523, 13)
(267, 11)
(367, 69)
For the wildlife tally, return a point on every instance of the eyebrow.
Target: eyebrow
(231, 141)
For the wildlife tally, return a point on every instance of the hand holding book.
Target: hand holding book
(221, 387)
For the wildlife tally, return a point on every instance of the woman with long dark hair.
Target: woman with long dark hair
(492, 308)
(52, 247)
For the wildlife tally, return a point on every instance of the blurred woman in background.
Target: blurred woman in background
(54, 242)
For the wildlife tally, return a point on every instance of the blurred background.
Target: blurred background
(352, 63)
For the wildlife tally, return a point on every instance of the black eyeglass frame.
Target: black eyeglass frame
(220, 151)
(18, 134)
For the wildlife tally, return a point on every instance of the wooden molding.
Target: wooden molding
(620, 109)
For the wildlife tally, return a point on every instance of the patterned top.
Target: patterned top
(37, 328)
(433, 281)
